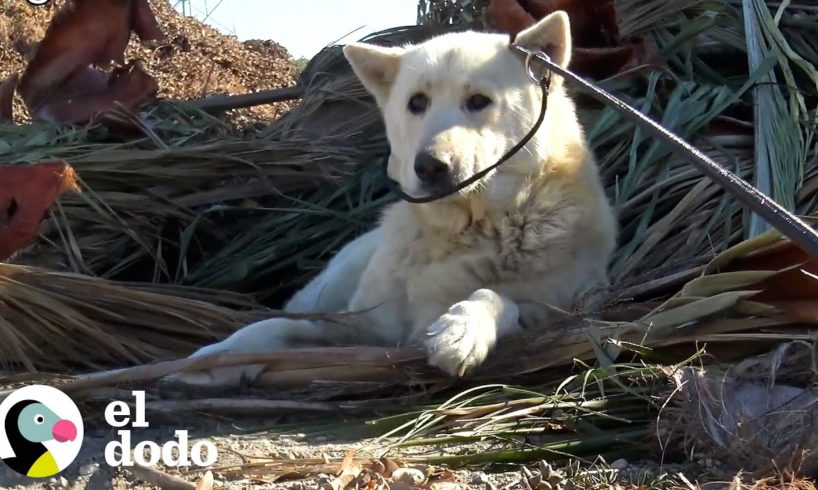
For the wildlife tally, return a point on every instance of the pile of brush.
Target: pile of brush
(187, 58)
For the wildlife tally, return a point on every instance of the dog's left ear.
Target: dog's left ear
(375, 66)
(551, 35)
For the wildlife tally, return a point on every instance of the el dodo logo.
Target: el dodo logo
(40, 431)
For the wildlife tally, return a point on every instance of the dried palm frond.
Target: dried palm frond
(191, 201)
(194, 202)
(53, 320)
(593, 385)
(743, 299)
(168, 206)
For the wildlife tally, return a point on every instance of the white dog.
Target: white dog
(458, 273)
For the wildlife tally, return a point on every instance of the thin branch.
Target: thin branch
(219, 103)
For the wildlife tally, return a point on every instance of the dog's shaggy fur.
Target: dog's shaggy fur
(459, 273)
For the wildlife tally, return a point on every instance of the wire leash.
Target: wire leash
(748, 196)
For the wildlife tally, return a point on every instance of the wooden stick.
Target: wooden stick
(244, 406)
(220, 103)
(300, 378)
(162, 480)
(338, 357)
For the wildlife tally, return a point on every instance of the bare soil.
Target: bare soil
(243, 440)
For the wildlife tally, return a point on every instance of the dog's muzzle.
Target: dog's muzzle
(434, 175)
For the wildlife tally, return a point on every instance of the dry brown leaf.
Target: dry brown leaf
(143, 21)
(508, 16)
(593, 22)
(601, 63)
(389, 466)
(194, 59)
(378, 467)
(348, 472)
(441, 474)
(27, 193)
(206, 483)
(598, 51)
(803, 311)
(800, 282)
(130, 86)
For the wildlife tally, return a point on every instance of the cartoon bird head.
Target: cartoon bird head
(38, 423)
(28, 424)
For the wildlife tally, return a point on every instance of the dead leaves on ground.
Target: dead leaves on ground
(351, 473)
(387, 474)
(599, 51)
(26, 194)
(206, 482)
(64, 81)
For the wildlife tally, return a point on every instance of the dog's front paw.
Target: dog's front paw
(259, 337)
(460, 340)
(220, 376)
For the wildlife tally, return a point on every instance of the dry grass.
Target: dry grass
(64, 321)
(193, 202)
(591, 387)
(759, 414)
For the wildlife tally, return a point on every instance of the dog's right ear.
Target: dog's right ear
(375, 66)
(552, 35)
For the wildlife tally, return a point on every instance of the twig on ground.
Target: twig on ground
(243, 406)
(291, 359)
(160, 479)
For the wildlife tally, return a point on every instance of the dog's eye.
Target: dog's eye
(477, 102)
(418, 103)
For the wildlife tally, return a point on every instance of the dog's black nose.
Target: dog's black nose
(431, 171)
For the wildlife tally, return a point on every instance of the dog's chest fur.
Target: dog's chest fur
(443, 253)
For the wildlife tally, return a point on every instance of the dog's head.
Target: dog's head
(455, 104)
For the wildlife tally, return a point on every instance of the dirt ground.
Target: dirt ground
(235, 442)
(242, 440)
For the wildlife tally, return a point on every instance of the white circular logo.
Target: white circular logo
(38, 3)
(41, 431)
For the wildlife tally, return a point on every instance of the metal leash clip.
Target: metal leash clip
(533, 76)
